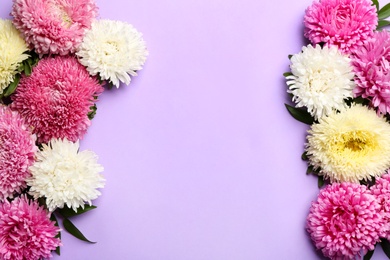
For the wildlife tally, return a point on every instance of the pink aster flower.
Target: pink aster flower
(345, 221)
(344, 23)
(53, 26)
(381, 190)
(56, 99)
(17, 152)
(26, 232)
(372, 68)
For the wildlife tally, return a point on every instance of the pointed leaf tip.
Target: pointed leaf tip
(73, 230)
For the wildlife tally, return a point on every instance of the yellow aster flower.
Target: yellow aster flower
(12, 47)
(350, 146)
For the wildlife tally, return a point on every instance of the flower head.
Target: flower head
(53, 26)
(344, 220)
(321, 80)
(372, 67)
(17, 153)
(381, 190)
(344, 23)
(12, 48)
(112, 50)
(350, 146)
(56, 99)
(65, 176)
(26, 232)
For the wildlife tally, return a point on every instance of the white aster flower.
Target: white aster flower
(12, 48)
(322, 78)
(65, 176)
(113, 50)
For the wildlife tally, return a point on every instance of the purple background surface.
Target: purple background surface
(201, 158)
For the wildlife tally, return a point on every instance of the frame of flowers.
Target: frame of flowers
(57, 58)
(340, 86)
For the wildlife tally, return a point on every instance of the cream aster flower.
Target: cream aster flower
(12, 48)
(65, 176)
(112, 50)
(321, 80)
(350, 146)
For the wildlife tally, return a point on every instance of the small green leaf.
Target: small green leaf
(73, 230)
(12, 87)
(53, 218)
(27, 68)
(321, 181)
(304, 156)
(290, 56)
(21, 67)
(68, 212)
(92, 111)
(368, 255)
(286, 74)
(385, 244)
(382, 23)
(384, 12)
(300, 114)
(309, 170)
(376, 3)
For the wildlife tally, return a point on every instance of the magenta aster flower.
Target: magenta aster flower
(372, 68)
(344, 23)
(381, 190)
(26, 232)
(345, 221)
(56, 99)
(17, 152)
(53, 26)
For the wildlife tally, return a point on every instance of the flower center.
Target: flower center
(355, 141)
(59, 12)
(111, 47)
(342, 16)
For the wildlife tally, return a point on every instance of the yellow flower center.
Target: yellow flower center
(355, 143)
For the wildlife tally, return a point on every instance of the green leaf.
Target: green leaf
(27, 68)
(290, 56)
(300, 114)
(368, 255)
(53, 218)
(382, 23)
(376, 3)
(73, 230)
(309, 170)
(304, 156)
(12, 87)
(92, 111)
(385, 244)
(384, 12)
(286, 74)
(321, 181)
(69, 212)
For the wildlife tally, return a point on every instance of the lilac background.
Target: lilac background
(202, 160)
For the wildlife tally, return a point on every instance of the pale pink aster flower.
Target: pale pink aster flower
(372, 68)
(26, 231)
(17, 153)
(345, 221)
(56, 99)
(53, 26)
(344, 23)
(381, 190)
